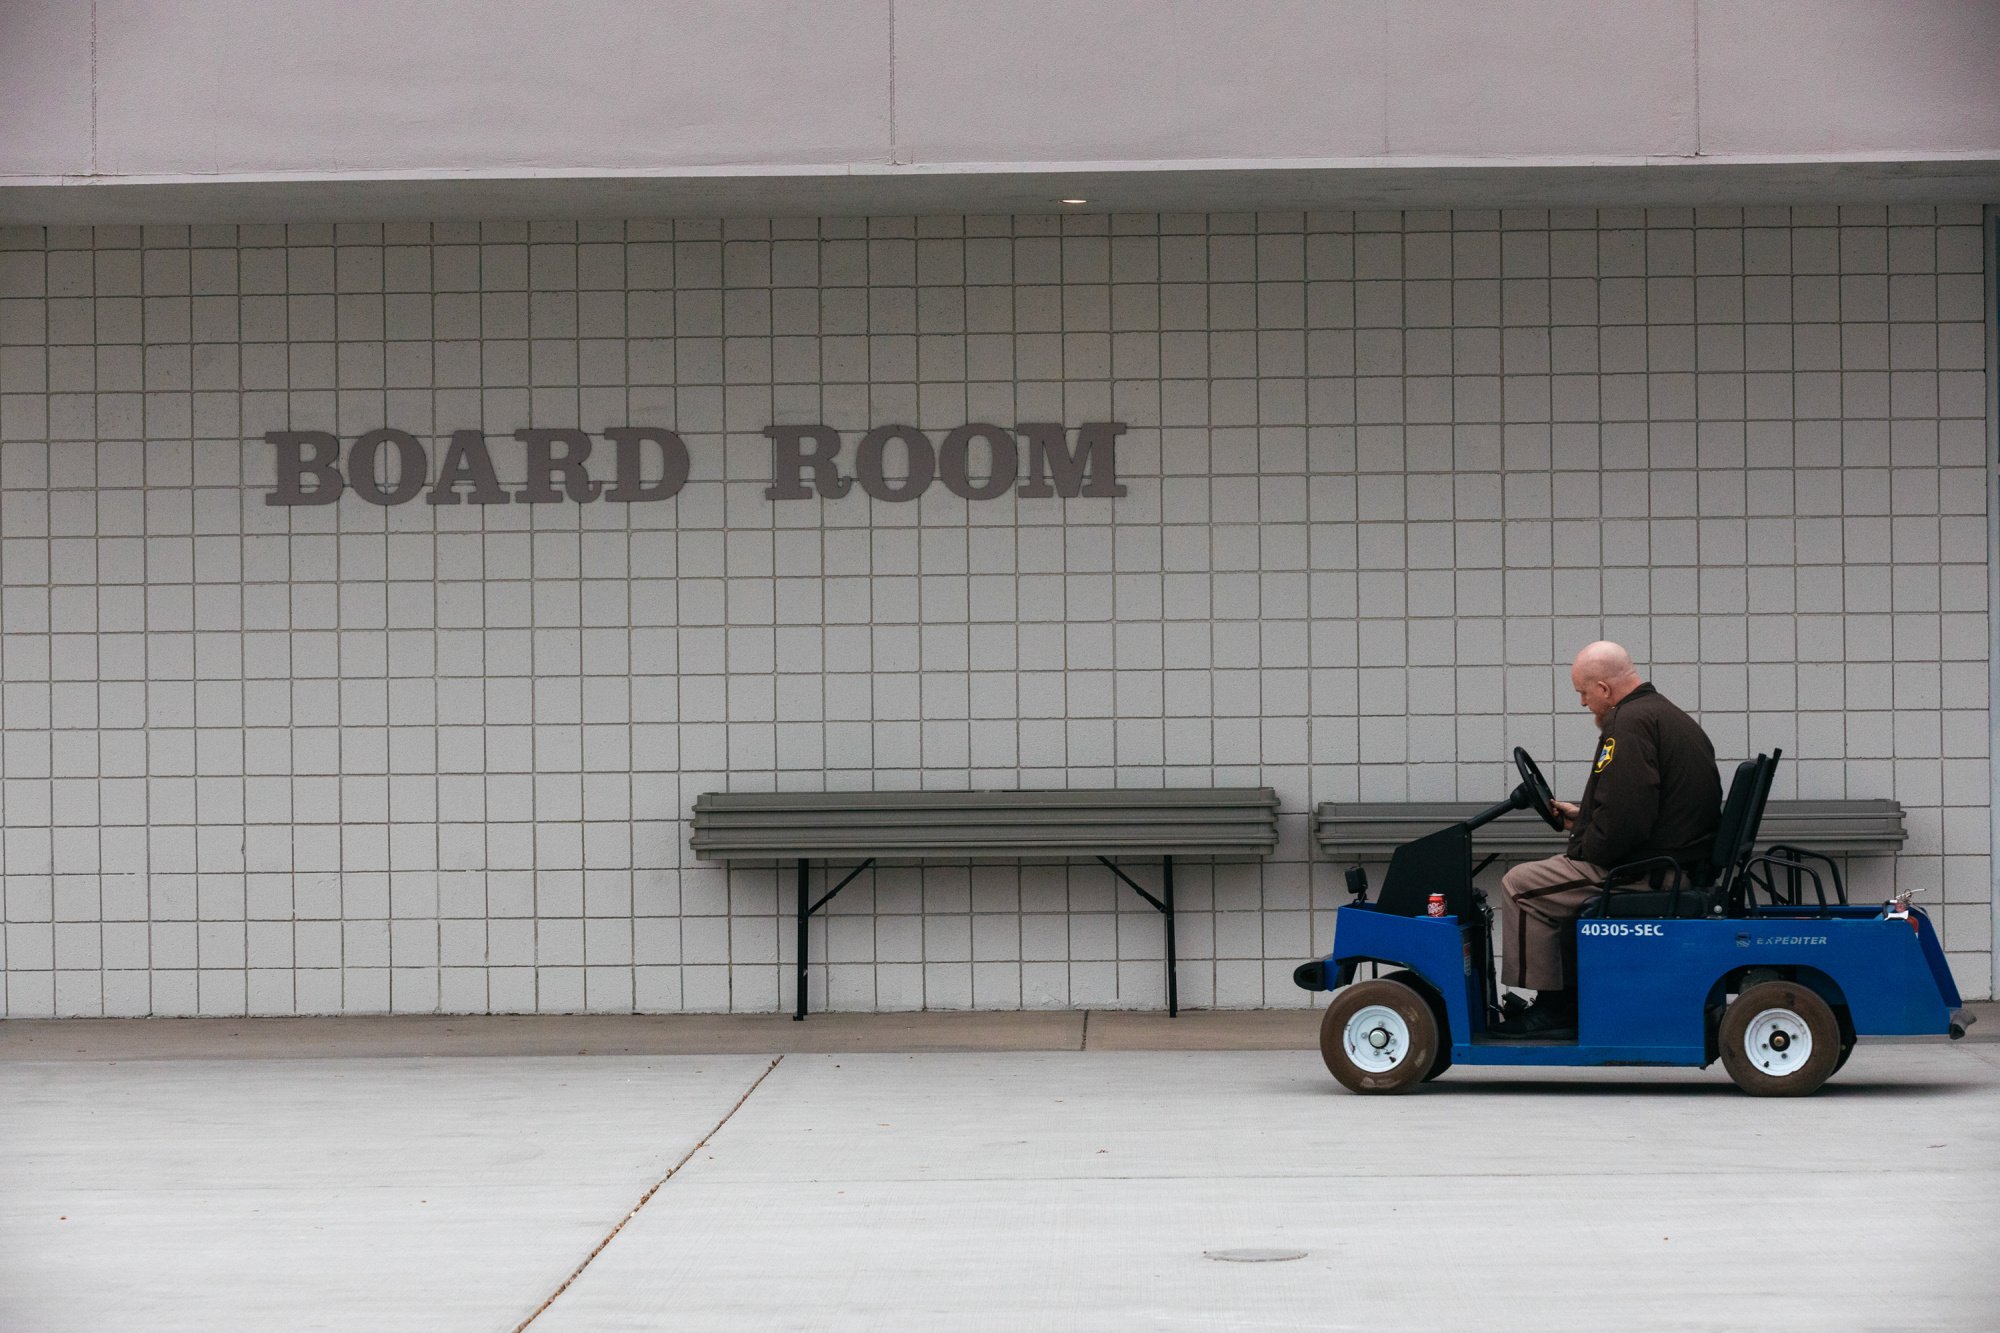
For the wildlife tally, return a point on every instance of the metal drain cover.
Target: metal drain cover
(1253, 1256)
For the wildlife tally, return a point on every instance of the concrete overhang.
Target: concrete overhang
(908, 190)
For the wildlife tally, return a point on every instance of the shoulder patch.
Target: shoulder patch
(1604, 753)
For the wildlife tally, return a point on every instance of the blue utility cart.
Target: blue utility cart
(1747, 959)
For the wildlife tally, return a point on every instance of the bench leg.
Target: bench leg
(805, 913)
(806, 908)
(1164, 905)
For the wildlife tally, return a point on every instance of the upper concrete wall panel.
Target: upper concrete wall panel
(1544, 77)
(1850, 76)
(234, 86)
(44, 88)
(1138, 80)
(206, 109)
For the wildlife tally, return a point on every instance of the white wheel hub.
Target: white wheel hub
(1778, 1042)
(1376, 1038)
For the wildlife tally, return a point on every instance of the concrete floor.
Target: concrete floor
(982, 1187)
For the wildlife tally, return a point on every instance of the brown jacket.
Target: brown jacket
(1653, 788)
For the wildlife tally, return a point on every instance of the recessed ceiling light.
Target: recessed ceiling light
(1072, 201)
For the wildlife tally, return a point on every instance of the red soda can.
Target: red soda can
(1437, 904)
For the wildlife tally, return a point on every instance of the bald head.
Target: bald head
(1602, 675)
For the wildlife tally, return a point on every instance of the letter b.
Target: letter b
(303, 453)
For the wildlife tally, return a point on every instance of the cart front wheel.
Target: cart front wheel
(1779, 1039)
(1442, 1060)
(1379, 1036)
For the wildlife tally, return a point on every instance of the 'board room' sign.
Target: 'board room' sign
(644, 463)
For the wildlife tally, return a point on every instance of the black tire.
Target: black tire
(1846, 1049)
(1442, 1060)
(1761, 1035)
(1379, 1036)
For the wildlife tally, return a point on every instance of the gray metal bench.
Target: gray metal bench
(1221, 823)
(1368, 830)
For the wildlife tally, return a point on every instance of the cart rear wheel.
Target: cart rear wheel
(1779, 1039)
(1379, 1036)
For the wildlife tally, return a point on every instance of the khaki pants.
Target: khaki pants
(1535, 920)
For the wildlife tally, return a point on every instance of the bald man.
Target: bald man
(1653, 791)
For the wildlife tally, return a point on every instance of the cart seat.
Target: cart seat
(1662, 887)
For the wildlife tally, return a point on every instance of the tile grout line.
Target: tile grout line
(647, 1197)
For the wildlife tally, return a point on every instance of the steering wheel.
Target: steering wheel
(1534, 793)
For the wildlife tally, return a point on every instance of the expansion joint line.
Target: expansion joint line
(647, 1197)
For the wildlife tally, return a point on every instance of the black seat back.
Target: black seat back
(1729, 831)
(1722, 879)
(1742, 815)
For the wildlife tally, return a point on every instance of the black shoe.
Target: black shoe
(1541, 1021)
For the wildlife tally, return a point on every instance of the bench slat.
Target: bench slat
(1375, 829)
(988, 801)
(1229, 822)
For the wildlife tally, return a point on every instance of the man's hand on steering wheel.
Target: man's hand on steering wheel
(1568, 810)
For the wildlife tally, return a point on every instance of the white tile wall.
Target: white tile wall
(1387, 471)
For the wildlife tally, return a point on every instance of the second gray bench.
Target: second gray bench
(1375, 829)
